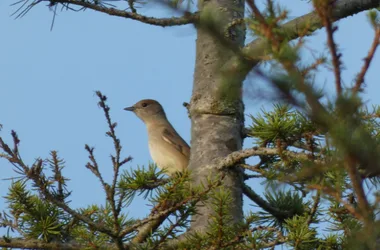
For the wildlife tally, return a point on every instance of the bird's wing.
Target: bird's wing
(176, 141)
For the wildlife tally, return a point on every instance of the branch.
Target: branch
(333, 193)
(163, 238)
(367, 61)
(235, 157)
(117, 163)
(94, 168)
(148, 228)
(195, 198)
(48, 196)
(37, 244)
(34, 173)
(187, 18)
(264, 204)
(314, 209)
(324, 9)
(151, 218)
(311, 22)
(357, 184)
(145, 230)
(175, 243)
(256, 168)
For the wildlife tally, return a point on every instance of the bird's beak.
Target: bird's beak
(130, 108)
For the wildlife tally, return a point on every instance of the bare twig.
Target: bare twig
(117, 163)
(304, 72)
(314, 209)
(280, 239)
(324, 9)
(338, 198)
(265, 29)
(357, 185)
(188, 18)
(94, 167)
(318, 111)
(310, 22)
(367, 61)
(239, 239)
(7, 221)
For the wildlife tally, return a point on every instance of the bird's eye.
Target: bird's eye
(144, 104)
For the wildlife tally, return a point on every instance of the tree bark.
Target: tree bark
(216, 107)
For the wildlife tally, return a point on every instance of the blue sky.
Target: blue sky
(48, 79)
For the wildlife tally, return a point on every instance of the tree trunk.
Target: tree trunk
(216, 106)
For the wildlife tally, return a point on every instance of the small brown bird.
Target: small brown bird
(167, 148)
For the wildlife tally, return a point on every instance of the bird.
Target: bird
(167, 148)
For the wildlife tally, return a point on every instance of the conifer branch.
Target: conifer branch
(170, 230)
(333, 193)
(255, 168)
(280, 239)
(310, 22)
(34, 173)
(196, 197)
(265, 205)
(235, 157)
(38, 244)
(95, 5)
(56, 165)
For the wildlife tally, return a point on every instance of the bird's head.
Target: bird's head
(147, 110)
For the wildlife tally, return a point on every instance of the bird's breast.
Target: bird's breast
(165, 156)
